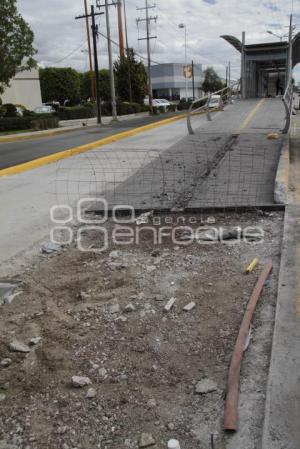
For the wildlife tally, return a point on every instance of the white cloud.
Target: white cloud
(58, 34)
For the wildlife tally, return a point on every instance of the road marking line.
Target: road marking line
(250, 116)
(83, 148)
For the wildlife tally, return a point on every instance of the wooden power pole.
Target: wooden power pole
(95, 36)
(92, 74)
(121, 31)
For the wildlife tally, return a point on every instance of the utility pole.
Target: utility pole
(128, 53)
(290, 53)
(148, 38)
(229, 73)
(121, 34)
(110, 59)
(226, 76)
(92, 74)
(193, 78)
(243, 71)
(95, 35)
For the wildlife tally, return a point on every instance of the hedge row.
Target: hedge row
(76, 112)
(37, 122)
(90, 110)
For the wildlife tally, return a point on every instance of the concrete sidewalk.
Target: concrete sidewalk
(282, 416)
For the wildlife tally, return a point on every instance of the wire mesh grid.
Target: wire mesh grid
(218, 172)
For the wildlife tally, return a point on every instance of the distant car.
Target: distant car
(215, 101)
(163, 101)
(19, 111)
(44, 110)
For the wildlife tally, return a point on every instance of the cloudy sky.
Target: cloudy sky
(61, 41)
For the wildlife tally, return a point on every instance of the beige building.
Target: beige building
(24, 89)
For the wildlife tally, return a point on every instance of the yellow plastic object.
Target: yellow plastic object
(252, 266)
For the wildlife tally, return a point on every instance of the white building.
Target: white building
(169, 82)
(24, 89)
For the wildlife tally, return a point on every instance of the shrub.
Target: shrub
(11, 110)
(161, 109)
(155, 110)
(172, 108)
(106, 108)
(36, 122)
(126, 108)
(43, 121)
(76, 112)
(2, 111)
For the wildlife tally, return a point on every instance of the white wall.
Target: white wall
(198, 93)
(24, 89)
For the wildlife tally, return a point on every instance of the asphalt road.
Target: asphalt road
(15, 153)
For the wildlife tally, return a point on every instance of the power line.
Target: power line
(71, 53)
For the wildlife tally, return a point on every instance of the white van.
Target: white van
(214, 101)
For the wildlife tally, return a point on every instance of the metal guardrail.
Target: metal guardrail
(226, 96)
(288, 104)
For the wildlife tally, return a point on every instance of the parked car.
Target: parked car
(215, 101)
(164, 102)
(44, 110)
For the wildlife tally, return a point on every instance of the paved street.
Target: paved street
(19, 152)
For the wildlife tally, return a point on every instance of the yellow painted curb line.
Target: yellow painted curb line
(250, 116)
(83, 148)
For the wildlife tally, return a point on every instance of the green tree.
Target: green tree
(138, 78)
(60, 84)
(212, 82)
(104, 81)
(16, 43)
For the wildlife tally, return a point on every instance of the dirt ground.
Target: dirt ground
(102, 316)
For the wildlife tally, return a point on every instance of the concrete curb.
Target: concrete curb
(35, 134)
(65, 126)
(281, 188)
(35, 163)
(282, 412)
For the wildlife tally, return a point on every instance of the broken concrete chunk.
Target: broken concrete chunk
(115, 254)
(173, 444)
(50, 248)
(206, 386)
(17, 346)
(129, 308)
(190, 306)
(79, 382)
(2, 397)
(169, 305)
(144, 218)
(35, 341)
(114, 308)
(146, 440)
(102, 372)
(7, 294)
(91, 393)
(5, 363)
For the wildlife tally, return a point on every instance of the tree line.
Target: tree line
(61, 84)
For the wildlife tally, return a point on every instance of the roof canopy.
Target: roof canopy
(269, 46)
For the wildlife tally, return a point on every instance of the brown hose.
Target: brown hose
(232, 397)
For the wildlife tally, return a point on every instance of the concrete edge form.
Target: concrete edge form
(281, 187)
(282, 412)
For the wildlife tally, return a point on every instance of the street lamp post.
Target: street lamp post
(277, 35)
(183, 26)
